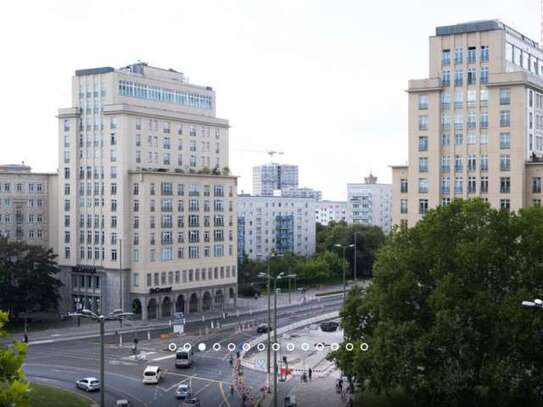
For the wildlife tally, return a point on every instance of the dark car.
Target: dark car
(330, 326)
(193, 402)
(263, 328)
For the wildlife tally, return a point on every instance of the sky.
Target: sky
(322, 81)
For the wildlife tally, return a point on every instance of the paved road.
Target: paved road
(63, 361)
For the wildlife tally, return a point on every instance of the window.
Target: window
(423, 185)
(484, 75)
(423, 206)
(423, 102)
(458, 138)
(536, 185)
(446, 57)
(458, 77)
(423, 164)
(484, 185)
(484, 53)
(457, 163)
(483, 120)
(505, 141)
(403, 205)
(458, 185)
(423, 143)
(458, 99)
(471, 137)
(505, 204)
(445, 99)
(472, 185)
(472, 163)
(458, 56)
(505, 118)
(505, 96)
(483, 162)
(536, 203)
(505, 185)
(483, 137)
(459, 120)
(445, 185)
(483, 97)
(505, 162)
(445, 139)
(423, 122)
(403, 185)
(472, 98)
(471, 122)
(446, 77)
(445, 163)
(472, 76)
(472, 55)
(445, 120)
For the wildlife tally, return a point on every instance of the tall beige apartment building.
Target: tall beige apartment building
(146, 201)
(475, 124)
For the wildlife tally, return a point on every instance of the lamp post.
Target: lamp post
(116, 315)
(354, 267)
(344, 247)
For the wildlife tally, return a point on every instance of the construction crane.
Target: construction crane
(271, 153)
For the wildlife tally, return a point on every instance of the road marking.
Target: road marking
(175, 385)
(163, 358)
(224, 399)
(205, 379)
(202, 389)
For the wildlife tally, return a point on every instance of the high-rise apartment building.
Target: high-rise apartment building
(278, 224)
(146, 203)
(331, 211)
(475, 124)
(26, 211)
(369, 203)
(270, 177)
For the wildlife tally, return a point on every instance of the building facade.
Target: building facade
(475, 125)
(146, 213)
(331, 211)
(299, 192)
(369, 203)
(270, 177)
(27, 212)
(274, 223)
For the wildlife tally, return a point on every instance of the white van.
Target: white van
(152, 374)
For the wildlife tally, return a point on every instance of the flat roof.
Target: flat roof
(94, 71)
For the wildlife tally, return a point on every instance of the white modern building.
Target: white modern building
(270, 177)
(369, 203)
(299, 192)
(146, 202)
(28, 206)
(274, 223)
(331, 211)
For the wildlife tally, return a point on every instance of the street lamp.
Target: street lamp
(344, 247)
(116, 315)
(354, 266)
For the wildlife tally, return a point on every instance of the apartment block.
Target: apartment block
(270, 177)
(27, 213)
(331, 211)
(147, 201)
(370, 203)
(475, 124)
(274, 223)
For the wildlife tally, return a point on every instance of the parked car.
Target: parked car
(88, 384)
(193, 402)
(152, 374)
(122, 403)
(183, 392)
(263, 328)
(330, 326)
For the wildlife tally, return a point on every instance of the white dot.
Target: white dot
(231, 347)
(334, 346)
(187, 347)
(349, 346)
(290, 346)
(276, 346)
(201, 347)
(305, 346)
(216, 347)
(319, 347)
(246, 347)
(364, 346)
(261, 347)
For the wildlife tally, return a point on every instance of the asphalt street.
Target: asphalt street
(62, 362)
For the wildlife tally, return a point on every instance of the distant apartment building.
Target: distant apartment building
(27, 213)
(369, 203)
(475, 124)
(299, 192)
(270, 177)
(146, 202)
(331, 211)
(274, 223)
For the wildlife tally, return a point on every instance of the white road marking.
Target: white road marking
(163, 358)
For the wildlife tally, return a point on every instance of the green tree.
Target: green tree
(14, 388)
(28, 279)
(442, 316)
(368, 240)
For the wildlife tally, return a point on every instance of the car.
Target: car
(330, 326)
(263, 328)
(122, 403)
(193, 402)
(88, 384)
(183, 392)
(152, 374)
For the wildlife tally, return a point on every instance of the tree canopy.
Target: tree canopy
(28, 279)
(442, 316)
(14, 388)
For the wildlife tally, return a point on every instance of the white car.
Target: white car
(152, 374)
(183, 392)
(88, 384)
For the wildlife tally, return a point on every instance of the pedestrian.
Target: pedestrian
(25, 338)
(310, 373)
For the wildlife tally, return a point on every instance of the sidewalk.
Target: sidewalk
(319, 392)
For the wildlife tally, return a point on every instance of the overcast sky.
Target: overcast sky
(323, 81)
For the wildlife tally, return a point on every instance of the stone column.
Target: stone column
(143, 302)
